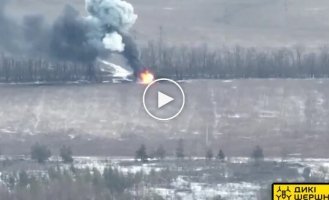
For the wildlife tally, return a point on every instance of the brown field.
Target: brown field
(288, 116)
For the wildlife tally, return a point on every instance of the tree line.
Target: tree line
(160, 153)
(72, 183)
(182, 62)
(15, 69)
(41, 153)
(236, 62)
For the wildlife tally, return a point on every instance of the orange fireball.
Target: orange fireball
(146, 77)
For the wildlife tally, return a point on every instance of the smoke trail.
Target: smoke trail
(8, 31)
(72, 37)
(34, 34)
(132, 54)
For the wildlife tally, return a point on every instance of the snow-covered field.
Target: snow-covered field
(279, 114)
(288, 118)
(202, 191)
(184, 187)
(190, 182)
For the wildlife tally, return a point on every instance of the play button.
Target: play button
(163, 99)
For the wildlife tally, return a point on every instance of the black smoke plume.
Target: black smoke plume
(131, 53)
(72, 37)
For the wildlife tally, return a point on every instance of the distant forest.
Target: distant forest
(183, 63)
(24, 70)
(237, 62)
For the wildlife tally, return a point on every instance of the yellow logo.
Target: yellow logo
(300, 191)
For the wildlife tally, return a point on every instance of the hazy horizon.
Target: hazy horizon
(214, 22)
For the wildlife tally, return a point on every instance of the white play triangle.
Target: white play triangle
(163, 99)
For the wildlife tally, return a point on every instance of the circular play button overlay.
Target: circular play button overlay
(163, 99)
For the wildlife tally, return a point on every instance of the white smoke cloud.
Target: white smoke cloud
(109, 18)
(112, 14)
(110, 21)
(113, 42)
(72, 37)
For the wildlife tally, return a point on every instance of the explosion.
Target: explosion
(146, 77)
(72, 36)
